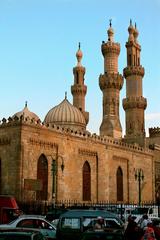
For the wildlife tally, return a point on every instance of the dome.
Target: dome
(26, 113)
(66, 115)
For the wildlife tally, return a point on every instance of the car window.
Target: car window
(87, 221)
(73, 223)
(42, 224)
(111, 223)
(27, 223)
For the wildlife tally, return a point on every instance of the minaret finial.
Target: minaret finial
(66, 95)
(110, 31)
(110, 22)
(25, 103)
(79, 55)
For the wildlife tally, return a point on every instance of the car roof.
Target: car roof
(31, 216)
(88, 213)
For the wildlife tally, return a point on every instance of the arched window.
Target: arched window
(86, 182)
(119, 184)
(42, 174)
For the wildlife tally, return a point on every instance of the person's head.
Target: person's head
(130, 218)
(100, 220)
(145, 216)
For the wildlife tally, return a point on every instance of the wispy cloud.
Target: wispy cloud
(152, 116)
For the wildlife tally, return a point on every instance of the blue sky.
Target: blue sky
(39, 40)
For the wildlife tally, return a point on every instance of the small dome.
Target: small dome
(66, 115)
(79, 55)
(110, 32)
(26, 113)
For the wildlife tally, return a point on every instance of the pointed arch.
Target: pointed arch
(86, 182)
(119, 184)
(42, 174)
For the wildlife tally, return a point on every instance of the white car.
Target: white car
(35, 222)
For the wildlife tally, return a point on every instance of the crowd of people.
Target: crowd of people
(145, 230)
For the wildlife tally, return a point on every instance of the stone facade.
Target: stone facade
(42, 161)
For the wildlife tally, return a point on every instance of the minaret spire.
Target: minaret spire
(134, 104)
(110, 83)
(79, 90)
(110, 23)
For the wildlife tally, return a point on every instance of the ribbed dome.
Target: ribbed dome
(26, 113)
(65, 114)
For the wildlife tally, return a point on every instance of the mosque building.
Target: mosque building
(59, 159)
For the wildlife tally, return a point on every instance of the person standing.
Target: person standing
(149, 232)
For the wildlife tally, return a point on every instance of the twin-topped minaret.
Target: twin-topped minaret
(134, 104)
(110, 83)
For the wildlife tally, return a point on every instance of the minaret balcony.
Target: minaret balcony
(80, 89)
(111, 80)
(133, 44)
(110, 47)
(134, 102)
(133, 70)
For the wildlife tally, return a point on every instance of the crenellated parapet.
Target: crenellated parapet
(154, 132)
(105, 140)
(133, 70)
(111, 80)
(134, 102)
(12, 121)
(110, 47)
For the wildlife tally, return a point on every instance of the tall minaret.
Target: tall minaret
(134, 104)
(111, 83)
(79, 90)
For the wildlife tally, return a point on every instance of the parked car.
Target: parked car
(55, 213)
(73, 223)
(20, 234)
(35, 222)
(9, 209)
(102, 235)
